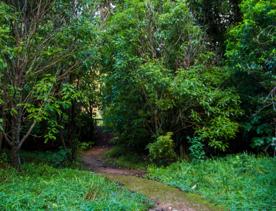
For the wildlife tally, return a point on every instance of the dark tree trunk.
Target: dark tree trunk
(15, 158)
(183, 151)
(1, 141)
(72, 132)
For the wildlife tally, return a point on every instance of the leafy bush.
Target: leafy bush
(196, 148)
(162, 150)
(238, 182)
(40, 187)
(85, 145)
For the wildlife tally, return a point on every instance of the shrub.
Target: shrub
(85, 145)
(162, 150)
(196, 148)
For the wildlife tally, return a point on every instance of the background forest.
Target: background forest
(170, 80)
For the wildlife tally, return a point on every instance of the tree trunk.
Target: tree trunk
(15, 158)
(183, 151)
(71, 132)
(1, 141)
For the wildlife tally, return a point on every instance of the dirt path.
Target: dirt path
(167, 198)
(93, 160)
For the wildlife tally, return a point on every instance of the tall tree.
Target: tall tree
(252, 58)
(45, 43)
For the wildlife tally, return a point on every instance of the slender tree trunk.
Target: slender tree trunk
(71, 132)
(16, 142)
(1, 141)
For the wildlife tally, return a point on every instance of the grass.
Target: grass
(240, 182)
(122, 158)
(162, 193)
(41, 187)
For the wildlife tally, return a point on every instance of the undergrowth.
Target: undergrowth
(122, 158)
(240, 182)
(41, 187)
(57, 158)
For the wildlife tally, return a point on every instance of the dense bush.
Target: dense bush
(162, 150)
(40, 187)
(238, 182)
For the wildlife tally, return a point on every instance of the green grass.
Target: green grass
(122, 158)
(41, 187)
(241, 182)
(163, 193)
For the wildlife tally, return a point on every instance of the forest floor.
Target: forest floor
(166, 197)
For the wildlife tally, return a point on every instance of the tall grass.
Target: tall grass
(240, 182)
(41, 187)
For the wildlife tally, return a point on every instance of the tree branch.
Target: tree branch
(26, 135)
(7, 139)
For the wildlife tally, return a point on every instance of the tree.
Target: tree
(45, 44)
(159, 77)
(251, 55)
(217, 16)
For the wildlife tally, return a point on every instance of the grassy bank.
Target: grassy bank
(241, 182)
(41, 187)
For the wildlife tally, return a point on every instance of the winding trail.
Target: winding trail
(166, 198)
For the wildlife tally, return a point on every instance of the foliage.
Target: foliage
(46, 53)
(57, 158)
(163, 72)
(238, 182)
(86, 145)
(196, 149)
(251, 54)
(162, 150)
(148, 66)
(216, 125)
(217, 16)
(121, 157)
(43, 187)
